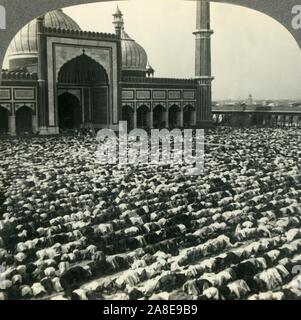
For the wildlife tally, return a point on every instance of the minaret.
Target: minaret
(203, 64)
(118, 22)
(42, 90)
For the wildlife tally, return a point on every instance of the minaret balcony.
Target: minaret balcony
(204, 32)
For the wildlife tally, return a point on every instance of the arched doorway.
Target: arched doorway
(159, 117)
(188, 116)
(174, 116)
(128, 115)
(90, 77)
(143, 117)
(69, 111)
(3, 120)
(24, 120)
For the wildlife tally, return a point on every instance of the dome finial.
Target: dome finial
(118, 11)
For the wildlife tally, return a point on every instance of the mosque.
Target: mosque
(61, 77)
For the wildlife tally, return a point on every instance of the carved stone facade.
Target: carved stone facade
(67, 78)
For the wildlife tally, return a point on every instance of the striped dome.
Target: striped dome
(23, 47)
(134, 57)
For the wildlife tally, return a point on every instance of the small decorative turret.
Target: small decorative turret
(149, 70)
(40, 21)
(118, 22)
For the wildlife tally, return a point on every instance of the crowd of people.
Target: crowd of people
(71, 228)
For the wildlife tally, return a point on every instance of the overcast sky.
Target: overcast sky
(251, 53)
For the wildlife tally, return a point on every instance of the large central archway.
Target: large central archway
(90, 80)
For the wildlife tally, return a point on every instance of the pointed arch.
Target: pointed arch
(128, 115)
(188, 115)
(24, 120)
(174, 116)
(83, 70)
(143, 116)
(159, 117)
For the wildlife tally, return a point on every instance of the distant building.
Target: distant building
(250, 100)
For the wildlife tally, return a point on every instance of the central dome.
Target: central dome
(134, 57)
(23, 50)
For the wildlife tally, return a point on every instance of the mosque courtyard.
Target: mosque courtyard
(72, 229)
